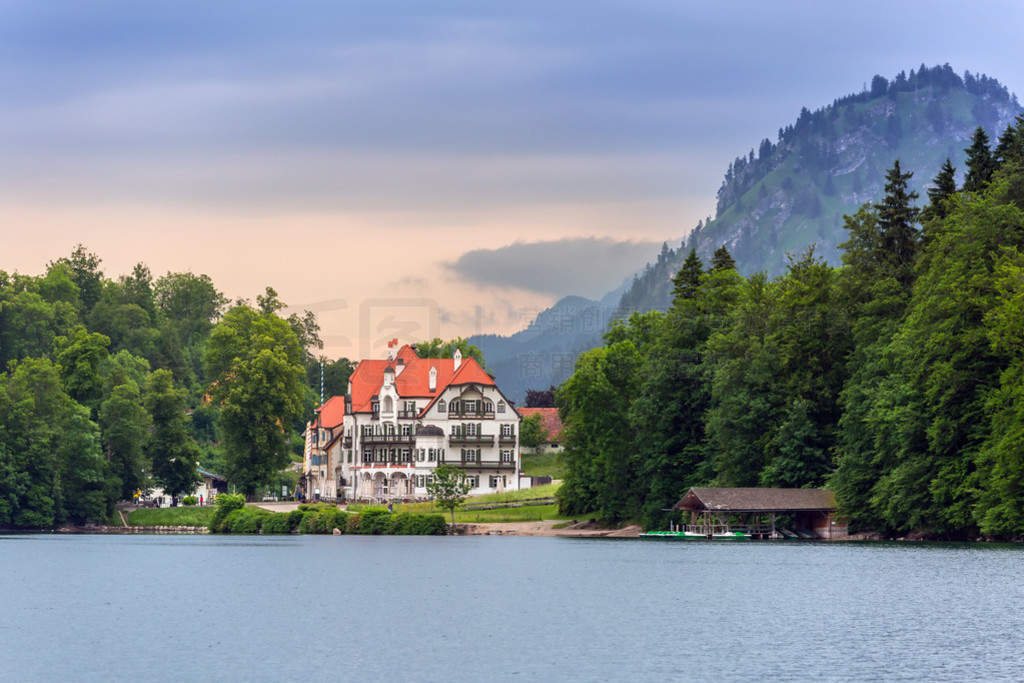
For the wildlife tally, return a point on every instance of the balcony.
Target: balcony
(463, 413)
(408, 414)
(346, 442)
(387, 438)
(507, 440)
(486, 465)
(474, 440)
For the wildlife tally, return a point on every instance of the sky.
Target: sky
(415, 169)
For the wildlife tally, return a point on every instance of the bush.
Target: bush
(226, 504)
(246, 520)
(308, 523)
(375, 521)
(189, 500)
(352, 524)
(406, 524)
(294, 517)
(278, 523)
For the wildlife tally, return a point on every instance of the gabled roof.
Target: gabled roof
(414, 379)
(332, 412)
(757, 500)
(549, 420)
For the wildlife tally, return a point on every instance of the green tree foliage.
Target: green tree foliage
(594, 406)
(124, 425)
(49, 450)
(980, 163)
(76, 351)
(448, 488)
(255, 363)
(171, 449)
(532, 432)
(80, 357)
(438, 348)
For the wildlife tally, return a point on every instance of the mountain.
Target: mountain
(789, 194)
(795, 191)
(544, 354)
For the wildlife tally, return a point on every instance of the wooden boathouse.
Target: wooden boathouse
(761, 513)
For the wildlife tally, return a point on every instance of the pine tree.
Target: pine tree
(896, 219)
(944, 186)
(687, 280)
(722, 260)
(980, 164)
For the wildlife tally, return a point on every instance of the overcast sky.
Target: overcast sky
(417, 166)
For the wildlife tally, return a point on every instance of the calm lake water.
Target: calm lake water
(187, 608)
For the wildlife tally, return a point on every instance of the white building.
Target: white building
(401, 419)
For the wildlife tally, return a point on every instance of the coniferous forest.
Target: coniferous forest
(112, 386)
(896, 379)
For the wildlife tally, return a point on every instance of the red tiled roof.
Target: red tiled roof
(414, 379)
(332, 412)
(549, 420)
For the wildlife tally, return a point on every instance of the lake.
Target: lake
(318, 608)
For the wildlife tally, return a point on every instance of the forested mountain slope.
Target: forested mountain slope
(793, 192)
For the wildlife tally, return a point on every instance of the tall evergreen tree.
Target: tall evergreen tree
(980, 163)
(943, 187)
(897, 218)
(687, 280)
(722, 260)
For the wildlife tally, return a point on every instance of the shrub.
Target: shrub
(307, 525)
(246, 520)
(279, 523)
(406, 524)
(189, 500)
(375, 521)
(352, 524)
(226, 504)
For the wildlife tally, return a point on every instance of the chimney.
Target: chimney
(458, 358)
(433, 380)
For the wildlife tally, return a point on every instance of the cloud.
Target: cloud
(582, 266)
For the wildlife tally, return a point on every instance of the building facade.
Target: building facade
(405, 416)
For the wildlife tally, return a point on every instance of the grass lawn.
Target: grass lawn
(543, 465)
(179, 516)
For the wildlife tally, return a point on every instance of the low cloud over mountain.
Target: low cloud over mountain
(586, 266)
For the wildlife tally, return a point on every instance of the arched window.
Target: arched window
(441, 406)
(501, 406)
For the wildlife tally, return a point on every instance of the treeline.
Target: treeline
(111, 386)
(896, 379)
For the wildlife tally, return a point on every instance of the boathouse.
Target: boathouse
(763, 512)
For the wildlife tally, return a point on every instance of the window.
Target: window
(350, 456)
(469, 454)
(469, 406)
(367, 430)
(470, 429)
(409, 406)
(441, 408)
(455, 406)
(506, 456)
(406, 430)
(368, 455)
(406, 455)
(494, 482)
(375, 407)
(501, 406)
(488, 407)
(506, 430)
(473, 480)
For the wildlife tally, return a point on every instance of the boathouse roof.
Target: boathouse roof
(757, 500)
